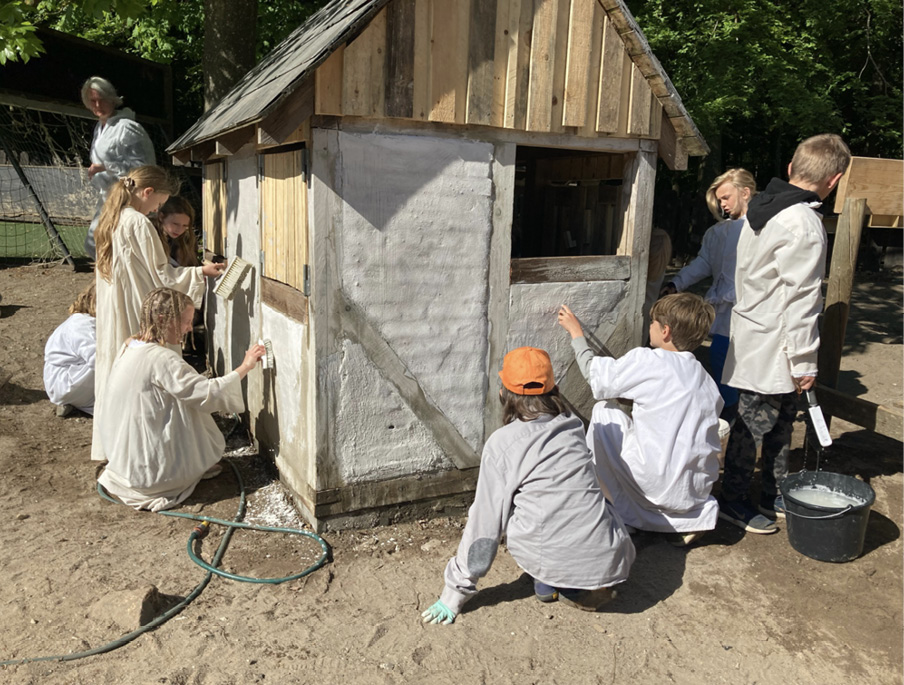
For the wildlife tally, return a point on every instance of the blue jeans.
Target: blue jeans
(718, 351)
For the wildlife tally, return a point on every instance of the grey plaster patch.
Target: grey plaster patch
(480, 556)
(534, 307)
(377, 436)
(413, 254)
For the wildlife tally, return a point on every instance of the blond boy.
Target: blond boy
(774, 334)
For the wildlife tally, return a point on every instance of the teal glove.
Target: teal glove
(439, 613)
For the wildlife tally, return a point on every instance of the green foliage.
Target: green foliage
(17, 34)
(758, 76)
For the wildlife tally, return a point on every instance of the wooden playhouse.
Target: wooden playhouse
(420, 184)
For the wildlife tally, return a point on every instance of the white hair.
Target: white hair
(103, 87)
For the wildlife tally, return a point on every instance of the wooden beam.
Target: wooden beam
(352, 498)
(284, 299)
(521, 21)
(280, 124)
(423, 21)
(570, 269)
(566, 141)
(232, 142)
(639, 104)
(880, 419)
(501, 50)
(449, 60)
(839, 289)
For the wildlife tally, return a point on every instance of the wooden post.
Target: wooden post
(838, 291)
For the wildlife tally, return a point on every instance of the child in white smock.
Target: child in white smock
(155, 418)
(537, 488)
(69, 358)
(657, 466)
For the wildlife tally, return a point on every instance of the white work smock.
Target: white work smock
(69, 363)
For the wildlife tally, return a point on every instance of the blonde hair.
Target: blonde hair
(818, 158)
(660, 254)
(739, 178)
(86, 302)
(187, 243)
(121, 194)
(689, 317)
(103, 87)
(160, 311)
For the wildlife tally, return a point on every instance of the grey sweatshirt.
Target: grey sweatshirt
(538, 488)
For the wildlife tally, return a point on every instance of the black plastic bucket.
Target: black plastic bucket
(827, 533)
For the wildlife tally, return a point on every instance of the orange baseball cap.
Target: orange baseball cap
(527, 371)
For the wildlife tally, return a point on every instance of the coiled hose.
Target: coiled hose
(198, 534)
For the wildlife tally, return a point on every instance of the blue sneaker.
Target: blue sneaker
(545, 593)
(773, 508)
(743, 515)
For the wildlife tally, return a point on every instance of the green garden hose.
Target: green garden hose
(197, 534)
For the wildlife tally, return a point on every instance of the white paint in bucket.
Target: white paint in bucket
(823, 497)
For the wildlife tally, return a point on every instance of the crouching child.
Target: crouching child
(538, 489)
(659, 465)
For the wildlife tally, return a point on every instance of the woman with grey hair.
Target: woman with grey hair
(120, 144)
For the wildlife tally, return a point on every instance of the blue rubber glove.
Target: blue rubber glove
(439, 613)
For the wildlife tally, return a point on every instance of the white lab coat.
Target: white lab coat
(156, 426)
(120, 145)
(658, 467)
(717, 258)
(774, 329)
(140, 264)
(69, 363)
(537, 487)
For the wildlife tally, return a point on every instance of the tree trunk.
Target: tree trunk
(230, 36)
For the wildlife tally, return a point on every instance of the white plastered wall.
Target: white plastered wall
(406, 356)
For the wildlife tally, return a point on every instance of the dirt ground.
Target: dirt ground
(734, 608)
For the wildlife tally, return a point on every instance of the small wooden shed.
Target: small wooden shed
(420, 184)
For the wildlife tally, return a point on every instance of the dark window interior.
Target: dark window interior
(566, 203)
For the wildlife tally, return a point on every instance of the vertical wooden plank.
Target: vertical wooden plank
(293, 179)
(577, 69)
(639, 104)
(481, 46)
(400, 26)
(637, 214)
(423, 12)
(838, 289)
(591, 101)
(521, 22)
(610, 81)
(449, 60)
(557, 102)
(655, 117)
(624, 99)
(542, 65)
(302, 215)
(500, 61)
(328, 84)
(363, 92)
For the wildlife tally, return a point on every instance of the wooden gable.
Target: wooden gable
(528, 65)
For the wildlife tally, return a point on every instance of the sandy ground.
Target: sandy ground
(733, 609)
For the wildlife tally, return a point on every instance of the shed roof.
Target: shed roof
(292, 62)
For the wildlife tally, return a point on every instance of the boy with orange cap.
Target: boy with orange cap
(537, 487)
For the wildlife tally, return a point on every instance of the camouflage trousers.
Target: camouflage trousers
(765, 420)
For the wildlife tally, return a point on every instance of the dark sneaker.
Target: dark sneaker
(587, 600)
(773, 508)
(545, 593)
(743, 515)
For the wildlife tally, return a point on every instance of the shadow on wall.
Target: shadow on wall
(266, 424)
(242, 311)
